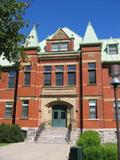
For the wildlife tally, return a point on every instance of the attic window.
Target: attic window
(60, 46)
(112, 49)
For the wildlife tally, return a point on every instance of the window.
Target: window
(55, 47)
(63, 46)
(59, 75)
(47, 75)
(71, 75)
(71, 68)
(92, 109)
(118, 105)
(47, 68)
(27, 73)
(8, 110)
(112, 49)
(12, 77)
(25, 106)
(92, 73)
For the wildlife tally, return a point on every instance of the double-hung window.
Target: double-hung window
(25, 108)
(71, 74)
(112, 49)
(92, 73)
(59, 75)
(92, 109)
(64, 46)
(8, 109)
(12, 77)
(61, 46)
(27, 74)
(47, 75)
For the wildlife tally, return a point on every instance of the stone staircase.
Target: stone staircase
(57, 135)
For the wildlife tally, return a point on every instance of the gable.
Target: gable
(59, 35)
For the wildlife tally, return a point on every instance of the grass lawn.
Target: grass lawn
(3, 144)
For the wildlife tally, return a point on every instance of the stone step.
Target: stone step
(52, 135)
(56, 135)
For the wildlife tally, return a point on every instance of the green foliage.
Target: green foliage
(89, 139)
(93, 150)
(10, 133)
(93, 153)
(100, 153)
(11, 22)
(110, 151)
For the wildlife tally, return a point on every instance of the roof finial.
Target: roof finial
(35, 25)
(89, 24)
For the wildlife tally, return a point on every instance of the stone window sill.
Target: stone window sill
(7, 118)
(92, 84)
(93, 119)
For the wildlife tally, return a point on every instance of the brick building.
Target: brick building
(65, 79)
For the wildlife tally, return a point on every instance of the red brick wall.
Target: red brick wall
(102, 91)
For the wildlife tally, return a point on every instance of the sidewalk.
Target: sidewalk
(34, 151)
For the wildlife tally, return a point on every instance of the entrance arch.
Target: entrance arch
(60, 113)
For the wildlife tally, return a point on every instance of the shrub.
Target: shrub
(100, 153)
(110, 151)
(88, 139)
(93, 150)
(10, 133)
(94, 153)
(5, 133)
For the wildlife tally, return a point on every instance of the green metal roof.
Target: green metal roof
(105, 56)
(90, 35)
(90, 38)
(32, 40)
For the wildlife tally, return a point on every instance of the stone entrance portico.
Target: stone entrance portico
(68, 103)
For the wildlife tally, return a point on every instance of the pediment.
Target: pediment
(60, 35)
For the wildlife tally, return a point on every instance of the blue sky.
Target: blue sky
(75, 14)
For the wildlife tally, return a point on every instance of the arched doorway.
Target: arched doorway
(59, 116)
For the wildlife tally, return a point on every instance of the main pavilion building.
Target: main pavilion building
(65, 80)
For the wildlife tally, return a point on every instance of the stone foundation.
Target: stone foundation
(31, 132)
(107, 135)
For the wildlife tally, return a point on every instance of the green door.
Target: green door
(59, 116)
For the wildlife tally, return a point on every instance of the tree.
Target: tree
(11, 22)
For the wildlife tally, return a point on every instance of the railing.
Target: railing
(68, 134)
(39, 131)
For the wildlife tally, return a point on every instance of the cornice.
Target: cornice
(63, 55)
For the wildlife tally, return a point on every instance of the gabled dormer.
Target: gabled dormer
(60, 42)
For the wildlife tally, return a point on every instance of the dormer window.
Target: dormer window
(62, 46)
(112, 49)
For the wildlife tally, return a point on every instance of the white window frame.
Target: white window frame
(60, 46)
(25, 105)
(8, 105)
(55, 46)
(113, 50)
(64, 46)
(93, 107)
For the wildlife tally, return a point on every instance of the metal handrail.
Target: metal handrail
(39, 131)
(68, 134)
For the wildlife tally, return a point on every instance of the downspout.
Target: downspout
(15, 96)
(81, 94)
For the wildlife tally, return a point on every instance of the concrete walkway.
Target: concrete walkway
(34, 151)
